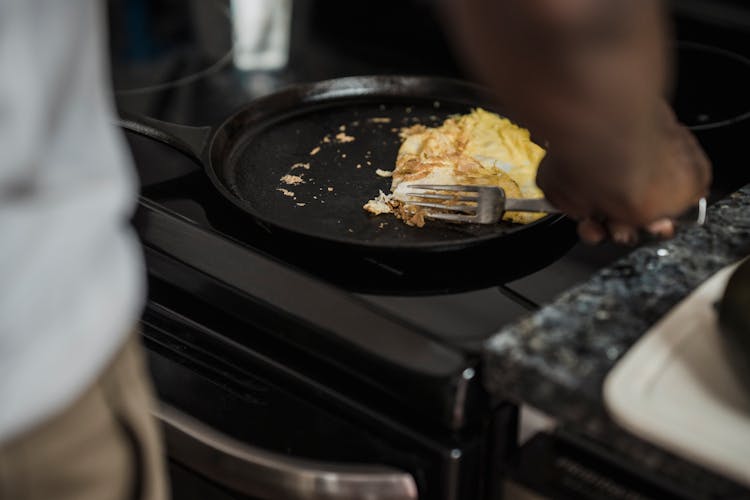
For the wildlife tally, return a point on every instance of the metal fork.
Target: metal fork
(475, 204)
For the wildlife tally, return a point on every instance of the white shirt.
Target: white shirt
(71, 284)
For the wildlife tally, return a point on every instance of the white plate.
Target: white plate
(675, 389)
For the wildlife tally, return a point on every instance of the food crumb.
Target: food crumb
(384, 173)
(301, 204)
(380, 205)
(306, 166)
(359, 165)
(380, 119)
(330, 189)
(315, 151)
(292, 180)
(286, 192)
(350, 230)
(342, 128)
(369, 163)
(326, 139)
(394, 129)
(343, 138)
(382, 225)
(343, 155)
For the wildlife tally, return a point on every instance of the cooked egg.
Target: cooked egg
(479, 148)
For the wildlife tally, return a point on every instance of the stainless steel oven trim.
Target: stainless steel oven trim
(265, 474)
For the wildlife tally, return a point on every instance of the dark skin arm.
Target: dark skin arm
(590, 77)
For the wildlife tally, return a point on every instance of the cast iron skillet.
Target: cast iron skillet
(246, 156)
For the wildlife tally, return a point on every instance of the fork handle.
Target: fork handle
(530, 205)
(695, 215)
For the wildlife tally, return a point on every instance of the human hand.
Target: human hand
(655, 180)
(590, 78)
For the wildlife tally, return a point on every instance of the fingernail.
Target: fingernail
(590, 233)
(624, 237)
(663, 228)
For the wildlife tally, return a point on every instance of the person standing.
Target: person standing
(74, 394)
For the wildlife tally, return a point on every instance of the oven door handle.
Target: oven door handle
(261, 473)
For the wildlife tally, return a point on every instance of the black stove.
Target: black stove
(297, 363)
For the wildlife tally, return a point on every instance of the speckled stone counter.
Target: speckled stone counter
(556, 360)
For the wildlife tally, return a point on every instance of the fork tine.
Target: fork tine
(444, 187)
(450, 208)
(452, 217)
(441, 196)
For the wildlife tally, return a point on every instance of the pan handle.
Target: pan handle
(188, 139)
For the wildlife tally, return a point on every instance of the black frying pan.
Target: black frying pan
(246, 156)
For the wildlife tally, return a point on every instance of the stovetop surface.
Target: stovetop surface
(172, 181)
(466, 316)
(191, 80)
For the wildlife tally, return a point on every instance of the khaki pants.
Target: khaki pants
(104, 446)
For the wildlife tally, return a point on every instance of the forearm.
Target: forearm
(549, 58)
(589, 78)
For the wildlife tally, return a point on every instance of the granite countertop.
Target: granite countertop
(557, 359)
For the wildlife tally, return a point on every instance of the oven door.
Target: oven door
(246, 438)
(240, 424)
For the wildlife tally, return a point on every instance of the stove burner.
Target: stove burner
(163, 58)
